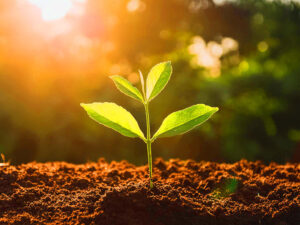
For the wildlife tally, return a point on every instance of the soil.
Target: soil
(117, 193)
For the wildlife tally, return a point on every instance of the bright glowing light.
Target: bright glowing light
(134, 5)
(53, 9)
(215, 49)
(229, 44)
(209, 54)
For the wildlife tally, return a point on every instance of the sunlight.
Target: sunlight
(53, 9)
(134, 5)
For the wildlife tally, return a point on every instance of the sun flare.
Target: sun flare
(53, 9)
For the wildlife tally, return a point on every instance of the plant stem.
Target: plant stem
(148, 142)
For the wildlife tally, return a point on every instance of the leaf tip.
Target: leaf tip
(169, 63)
(84, 105)
(113, 76)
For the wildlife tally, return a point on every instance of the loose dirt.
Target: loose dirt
(117, 193)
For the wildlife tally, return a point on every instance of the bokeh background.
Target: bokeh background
(242, 56)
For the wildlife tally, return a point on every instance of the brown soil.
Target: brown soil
(185, 193)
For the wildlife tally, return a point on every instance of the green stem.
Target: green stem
(148, 142)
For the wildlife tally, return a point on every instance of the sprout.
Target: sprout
(119, 119)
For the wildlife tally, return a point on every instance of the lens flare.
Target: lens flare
(53, 9)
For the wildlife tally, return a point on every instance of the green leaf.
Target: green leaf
(115, 117)
(127, 88)
(184, 120)
(157, 79)
(142, 82)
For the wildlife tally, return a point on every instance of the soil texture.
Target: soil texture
(117, 193)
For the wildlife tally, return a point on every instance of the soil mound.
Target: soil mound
(117, 193)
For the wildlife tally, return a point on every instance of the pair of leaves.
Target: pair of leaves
(157, 79)
(120, 120)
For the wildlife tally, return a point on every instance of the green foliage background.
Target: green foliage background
(258, 94)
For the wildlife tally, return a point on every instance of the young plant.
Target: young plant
(115, 117)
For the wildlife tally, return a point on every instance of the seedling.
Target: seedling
(119, 119)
